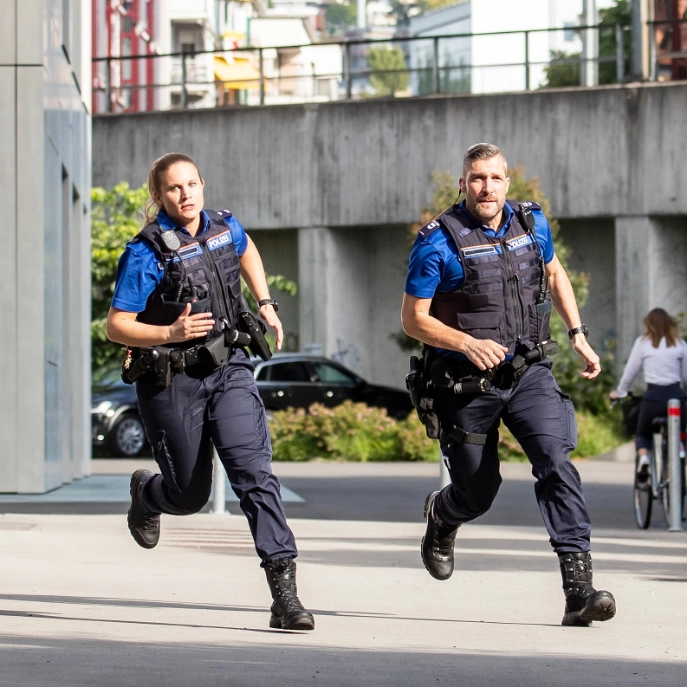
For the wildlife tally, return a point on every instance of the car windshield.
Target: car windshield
(329, 374)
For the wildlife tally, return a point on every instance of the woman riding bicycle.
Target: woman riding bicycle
(662, 355)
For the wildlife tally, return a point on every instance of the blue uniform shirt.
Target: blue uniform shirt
(435, 265)
(139, 270)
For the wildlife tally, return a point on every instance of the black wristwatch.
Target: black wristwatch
(269, 301)
(582, 329)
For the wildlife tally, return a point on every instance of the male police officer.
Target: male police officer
(477, 294)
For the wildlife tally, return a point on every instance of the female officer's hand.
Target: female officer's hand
(268, 314)
(189, 326)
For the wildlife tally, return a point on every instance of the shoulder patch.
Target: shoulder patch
(429, 228)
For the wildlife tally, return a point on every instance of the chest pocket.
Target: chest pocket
(482, 325)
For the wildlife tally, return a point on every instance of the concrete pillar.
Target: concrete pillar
(313, 279)
(350, 291)
(635, 239)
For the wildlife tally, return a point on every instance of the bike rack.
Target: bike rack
(675, 485)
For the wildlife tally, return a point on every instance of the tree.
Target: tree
(387, 66)
(564, 68)
(115, 219)
(338, 17)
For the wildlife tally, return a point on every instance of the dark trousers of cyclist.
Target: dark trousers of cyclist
(223, 408)
(542, 419)
(654, 404)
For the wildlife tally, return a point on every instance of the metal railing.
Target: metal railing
(426, 67)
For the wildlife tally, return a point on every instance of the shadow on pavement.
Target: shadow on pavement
(86, 661)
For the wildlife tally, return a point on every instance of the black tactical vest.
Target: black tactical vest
(210, 274)
(497, 299)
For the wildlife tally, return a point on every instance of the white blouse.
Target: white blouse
(663, 365)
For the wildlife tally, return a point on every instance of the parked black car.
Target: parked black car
(288, 380)
(297, 380)
(116, 425)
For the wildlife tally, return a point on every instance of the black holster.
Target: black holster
(421, 393)
(255, 328)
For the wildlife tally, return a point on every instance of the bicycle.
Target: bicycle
(656, 484)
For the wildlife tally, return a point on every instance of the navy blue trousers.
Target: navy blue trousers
(542, 419)
(223, 408)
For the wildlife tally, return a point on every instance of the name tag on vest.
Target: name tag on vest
(220, 240)
(480, 251)
(519, 242)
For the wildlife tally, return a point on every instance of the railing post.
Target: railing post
(619, 53)
(108, 85)
(674, 467)
(261, 65)
(347, 71)
(219, 486)
(436, 75)
(653, 53)
(184, 91)
(527, 60)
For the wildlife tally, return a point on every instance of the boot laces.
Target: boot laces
(444, 540)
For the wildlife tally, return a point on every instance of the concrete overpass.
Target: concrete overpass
(328, 191)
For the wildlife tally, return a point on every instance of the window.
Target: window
(126, 64)
(333, 375)
(289, 372)
(569, 32)
(263, 373)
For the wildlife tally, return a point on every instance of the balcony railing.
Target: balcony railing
(416, 66)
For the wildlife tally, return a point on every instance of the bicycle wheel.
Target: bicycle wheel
(643, 498)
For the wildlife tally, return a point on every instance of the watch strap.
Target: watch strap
(269, 301)
(582, 329)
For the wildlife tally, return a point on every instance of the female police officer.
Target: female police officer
(175, 307)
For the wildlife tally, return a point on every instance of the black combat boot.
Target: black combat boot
(144, 525)
(582, 602)
(437, 544)
(287, 610)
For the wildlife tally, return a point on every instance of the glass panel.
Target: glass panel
(333, 375)
(263, 373)
(289, 372)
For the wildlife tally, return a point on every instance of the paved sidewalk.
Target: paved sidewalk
(81, 604)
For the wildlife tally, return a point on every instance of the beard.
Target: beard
(486, 213)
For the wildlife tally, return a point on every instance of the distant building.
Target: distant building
(493, 64)
(145, 29)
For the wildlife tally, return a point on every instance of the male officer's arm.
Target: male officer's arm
(418, 323)
(253, 272)
(564, 301)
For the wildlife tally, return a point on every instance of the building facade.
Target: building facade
(45, 171)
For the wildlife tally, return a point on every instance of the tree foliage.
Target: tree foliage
(564, 68)
(116, 218)
(387, 66)
(339, 16)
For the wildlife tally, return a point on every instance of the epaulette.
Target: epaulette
(225, 214)
(429, 228)
(524, 204)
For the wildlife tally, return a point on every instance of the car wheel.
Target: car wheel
(128, 436)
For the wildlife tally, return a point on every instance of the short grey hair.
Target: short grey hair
(481, 151)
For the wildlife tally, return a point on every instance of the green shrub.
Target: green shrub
(360, 433)
(350, 431)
